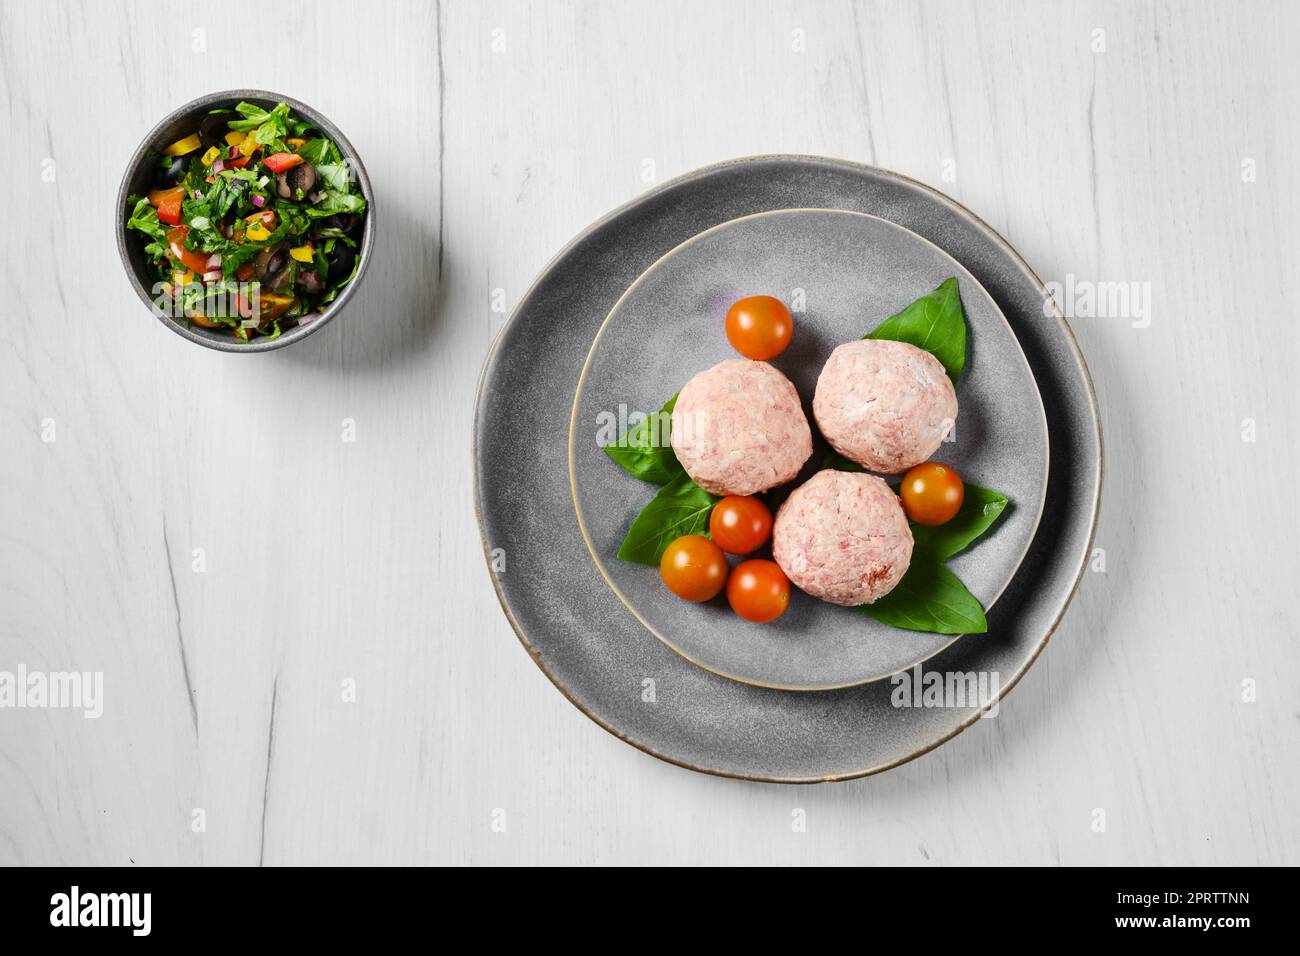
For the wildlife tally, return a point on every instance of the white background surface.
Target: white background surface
(327, 561)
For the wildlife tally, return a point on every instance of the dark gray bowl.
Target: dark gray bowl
(139, 178)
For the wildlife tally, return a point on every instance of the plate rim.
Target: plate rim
(582, 378)
(853, 166)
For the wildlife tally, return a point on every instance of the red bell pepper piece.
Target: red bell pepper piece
(168, 204)
(279, 162)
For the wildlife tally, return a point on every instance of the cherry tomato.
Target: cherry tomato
(694, 568)
(758, 590)
(739, 524)
(196, 261)
(262, 305)
(759, 327)
(932, 493)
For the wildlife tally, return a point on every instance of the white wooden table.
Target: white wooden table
(194, 525)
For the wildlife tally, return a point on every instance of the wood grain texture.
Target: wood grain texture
(494, 132)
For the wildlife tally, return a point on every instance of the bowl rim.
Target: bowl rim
(204, 103)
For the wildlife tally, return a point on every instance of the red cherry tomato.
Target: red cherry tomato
(262, 305)
(739, 524)
(759, 327)
(694, 568)
(758, 590)
(195, 261)
(932, 493)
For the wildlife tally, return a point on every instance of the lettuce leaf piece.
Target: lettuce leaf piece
(336, 202)
(144, 218)
(320, 151)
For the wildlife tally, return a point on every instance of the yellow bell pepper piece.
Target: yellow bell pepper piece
(302, 253)
(182, 146)
(234, 137)
(210, 156)
(294, 142)
(183, 278)
(258, 232)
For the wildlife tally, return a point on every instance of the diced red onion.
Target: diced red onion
(197, 194)
(214, 261)
(212, 276)
(259, 200)
(218, 166)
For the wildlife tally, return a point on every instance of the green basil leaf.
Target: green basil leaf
(929, 598)
(641, 456)
(681, 507)
(934, 322)
(979, 510)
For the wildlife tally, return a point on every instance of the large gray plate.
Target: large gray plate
(852, 270)
(597, 654)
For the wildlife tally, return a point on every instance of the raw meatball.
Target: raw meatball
(738, 428)
(886, 405)
(842, 537)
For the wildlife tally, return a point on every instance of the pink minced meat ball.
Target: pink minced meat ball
(886, 405)
(738, 428)
(842, 537)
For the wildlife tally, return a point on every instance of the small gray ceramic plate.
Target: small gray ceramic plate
(578, 632)
(851, 271)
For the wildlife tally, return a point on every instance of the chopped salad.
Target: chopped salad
(253, 223)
